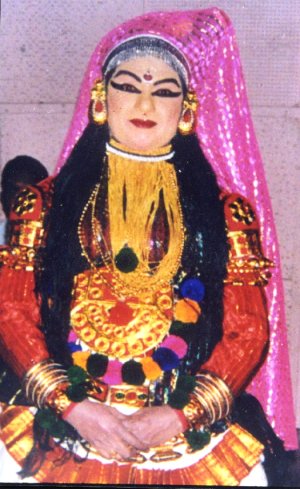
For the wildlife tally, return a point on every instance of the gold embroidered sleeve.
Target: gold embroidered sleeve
(247, 265)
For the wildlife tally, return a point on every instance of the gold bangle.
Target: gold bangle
(38, 374)
(206, 400)
(47, 382)
(194, 414)
(226, 396)
(42, 396)
(212, 396)
(42, 380)
(210, 401)
(219, 391)
(223, 388)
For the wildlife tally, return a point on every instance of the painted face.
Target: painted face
(144, 103)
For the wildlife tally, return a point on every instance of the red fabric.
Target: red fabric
(21, 340)
(237, 357)
(245, 336)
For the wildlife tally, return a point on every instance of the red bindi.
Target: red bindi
(147, 77)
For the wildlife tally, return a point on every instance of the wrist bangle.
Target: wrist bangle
(210, 401)
(45, 384)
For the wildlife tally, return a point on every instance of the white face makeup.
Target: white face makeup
(144, 103)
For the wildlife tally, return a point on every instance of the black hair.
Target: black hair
(205, 251)
(20, 170)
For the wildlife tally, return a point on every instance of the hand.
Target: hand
(102, 426)
(153, 425)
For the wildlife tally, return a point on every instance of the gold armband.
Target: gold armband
(210, 401)
(246, 265)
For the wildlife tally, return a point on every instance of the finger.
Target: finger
(131, 438)
(122, 448)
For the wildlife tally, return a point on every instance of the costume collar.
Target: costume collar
(160, 154)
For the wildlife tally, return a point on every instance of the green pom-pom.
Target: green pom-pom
(132, 373)
(58, 429)
(197, 439)
(186, 383)
(97, 365)
(50, 422)
(178, 399)
(45, 418)
(76, 374)
(126, 260)
(76, 393)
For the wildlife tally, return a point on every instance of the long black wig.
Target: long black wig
(205, 252)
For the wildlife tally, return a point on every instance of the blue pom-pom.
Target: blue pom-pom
(166, 358)
(74, 347)
(192, 288)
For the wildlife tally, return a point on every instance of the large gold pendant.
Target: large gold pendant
(116, 325)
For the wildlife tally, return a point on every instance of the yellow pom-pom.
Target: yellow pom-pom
(151, 369)
(80, 358)
(187, 311)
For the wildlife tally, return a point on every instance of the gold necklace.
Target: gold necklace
(137, 227)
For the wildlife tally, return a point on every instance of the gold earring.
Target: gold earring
(187, 120)
(98, 103)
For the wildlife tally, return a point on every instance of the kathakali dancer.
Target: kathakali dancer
(133, 305)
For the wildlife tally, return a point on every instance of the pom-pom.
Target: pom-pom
(45, 418)
(151, 369)
(176, 344)
(72, 336)
(74, 347)
(132, 373)
(187, 311)
(186, 383)
(166, 358)
(197, 439)
(126, 260)
(76, 374)
(80, 358)
(113, 375)
(192, 288)
(50, 422)
(97, 364)
(178, 399)
(76, 393)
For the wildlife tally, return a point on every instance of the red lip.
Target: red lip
(144, 124)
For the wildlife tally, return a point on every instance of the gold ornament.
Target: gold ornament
(187, 119)
(98, 105)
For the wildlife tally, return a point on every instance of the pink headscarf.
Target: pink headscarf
(226, 135)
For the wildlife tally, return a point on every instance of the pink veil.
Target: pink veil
(226, 134)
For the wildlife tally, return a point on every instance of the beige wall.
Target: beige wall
(44, 49)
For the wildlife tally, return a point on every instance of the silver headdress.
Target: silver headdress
(148, 45)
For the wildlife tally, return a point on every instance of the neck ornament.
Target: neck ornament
(160, 154)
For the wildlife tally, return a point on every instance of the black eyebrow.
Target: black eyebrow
(167, 80)
(126, 72)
